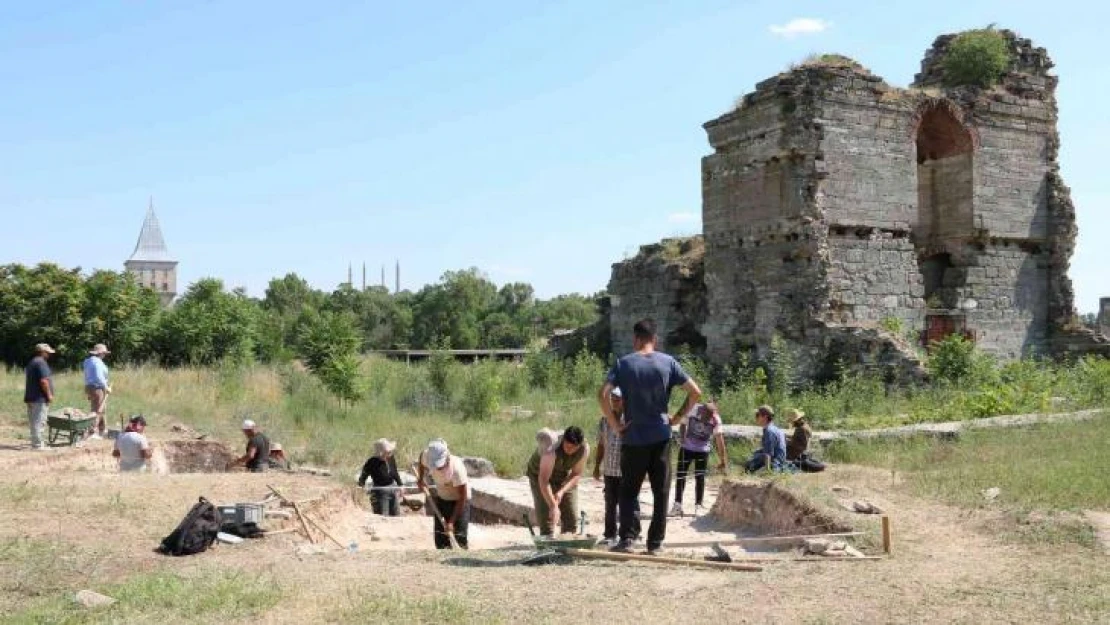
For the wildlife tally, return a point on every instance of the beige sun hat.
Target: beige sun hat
(794, 415)
(100, 349)
(384, 446)
(44, 348)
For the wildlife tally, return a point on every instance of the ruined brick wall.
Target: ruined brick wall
(1104, 316)
(666, 282)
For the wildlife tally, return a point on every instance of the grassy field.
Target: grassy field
(413, 404)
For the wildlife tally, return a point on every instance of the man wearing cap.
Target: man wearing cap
(97, 387)
(451, 495)
(257, 458)
(385, 481)
(771, 454)
(38, 393)
(131, 448)
(607, 467)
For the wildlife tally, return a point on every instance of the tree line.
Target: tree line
(211, 324)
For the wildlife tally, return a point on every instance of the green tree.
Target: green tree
(119, 312)
(328, 345)
(977, 57)
(453, 308)
(43, 304)
(208, 325)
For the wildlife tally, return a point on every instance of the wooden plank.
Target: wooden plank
(635, 557)
(886, 534)
(758, 540)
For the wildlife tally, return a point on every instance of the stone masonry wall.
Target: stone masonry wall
(666, 282)
(874, 275)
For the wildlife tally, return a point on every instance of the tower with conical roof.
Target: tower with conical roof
(151, 263)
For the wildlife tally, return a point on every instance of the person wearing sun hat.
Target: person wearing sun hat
(97, 387)
(797, 448)
(257, 457)
(381, 468)
(38, 393)
(452, 492)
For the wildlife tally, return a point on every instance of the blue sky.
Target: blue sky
(539, 141)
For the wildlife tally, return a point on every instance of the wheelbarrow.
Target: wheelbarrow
(61, 425)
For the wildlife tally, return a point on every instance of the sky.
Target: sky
(537, 141)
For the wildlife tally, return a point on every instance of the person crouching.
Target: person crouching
(452, 492)
(553, 473)
(132, 449)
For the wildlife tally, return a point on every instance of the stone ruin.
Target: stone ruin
(857, 221)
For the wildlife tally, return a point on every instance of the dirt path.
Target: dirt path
(946, 567)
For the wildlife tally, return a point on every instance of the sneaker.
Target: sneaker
(676, 509)
(622, 546)
(699, 510)
(654, 551)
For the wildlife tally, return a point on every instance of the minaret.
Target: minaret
(363, 275)
(397, 278)
(151, 263)
(350, 277)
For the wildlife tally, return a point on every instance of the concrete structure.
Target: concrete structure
(852, 219)
(1104, 316)
(151, 263)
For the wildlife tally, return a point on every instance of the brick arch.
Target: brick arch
(940, 130)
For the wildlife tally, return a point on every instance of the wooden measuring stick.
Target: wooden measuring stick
(297, 510)
(320, 527)
(635, 557)
(886, 534)
(756, 540)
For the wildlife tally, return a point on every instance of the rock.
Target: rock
(866, 507)
(90, 599)
(992, 493)
(478, 467)
(844, 490)
(816, 546)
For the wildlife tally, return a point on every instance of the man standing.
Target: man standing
(257, 458)
(553, 473)
(607, 467)
(132, 449)
(772, 447)
(646, 378)
(38, 393)
(97, 387)
(452, 492)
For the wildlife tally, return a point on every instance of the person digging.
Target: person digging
(451, 499)
(257, 457)
(554, 471)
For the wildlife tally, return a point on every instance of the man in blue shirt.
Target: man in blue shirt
(772, 447)
(97, 387)
(38, 393)
(646, 378)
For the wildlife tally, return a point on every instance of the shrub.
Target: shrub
(954, 359)
(586, 373)
(481, 397)
(977, 58)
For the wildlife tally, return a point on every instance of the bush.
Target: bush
(481, 397)
(955, 360)
(977, 58)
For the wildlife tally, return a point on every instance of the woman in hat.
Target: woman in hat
(381, 468)
(797, 448)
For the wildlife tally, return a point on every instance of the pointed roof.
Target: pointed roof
(151, 246)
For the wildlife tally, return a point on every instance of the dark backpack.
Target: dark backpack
(195, 533)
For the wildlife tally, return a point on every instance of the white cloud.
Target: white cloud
(799, 26)
(682, 218)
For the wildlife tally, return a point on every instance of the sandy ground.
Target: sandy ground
(948, 565)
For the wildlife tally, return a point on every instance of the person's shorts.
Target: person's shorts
(98, 399)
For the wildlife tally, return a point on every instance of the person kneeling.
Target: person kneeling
(553, 473)
(771, 454)
(385, 481)
(797, 448)
(131, 448)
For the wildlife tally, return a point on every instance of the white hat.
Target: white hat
(99, 349)
(248, 424)
(384, 446)
(43, 348)
(616, 392)
(436, 453)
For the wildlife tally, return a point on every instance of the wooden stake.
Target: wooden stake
(300, 517)
(758, 540)
(635, 557)
(886, 534)
(320, 527)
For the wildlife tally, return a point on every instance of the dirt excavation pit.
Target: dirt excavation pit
(191, 457)
(765, 509)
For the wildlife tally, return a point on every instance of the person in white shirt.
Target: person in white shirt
(132, 449)
(452, 492)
